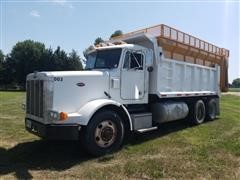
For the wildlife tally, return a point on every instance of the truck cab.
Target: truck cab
(61, 104)
(127, 69)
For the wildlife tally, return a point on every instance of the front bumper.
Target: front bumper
(53, 131)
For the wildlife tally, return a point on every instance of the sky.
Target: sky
(76, 24)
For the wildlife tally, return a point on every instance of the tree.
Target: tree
(9, 72)
(59, 60)
(25, 58)
(236, 83)
(74, 61)
(29, 56)
(116, 33)
(98, 40)
(46, 63)
(1, 67)
(1, 56)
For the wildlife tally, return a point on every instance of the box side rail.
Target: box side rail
(167, 32)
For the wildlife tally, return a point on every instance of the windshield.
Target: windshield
(102, 59)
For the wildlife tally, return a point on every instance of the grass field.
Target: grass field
(176, 150)
(234, 89)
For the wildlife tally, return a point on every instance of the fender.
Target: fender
(85, 113)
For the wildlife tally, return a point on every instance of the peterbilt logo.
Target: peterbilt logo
(80, 84)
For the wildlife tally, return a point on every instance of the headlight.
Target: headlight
(54, 115)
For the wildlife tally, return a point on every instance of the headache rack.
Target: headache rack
(184, 47)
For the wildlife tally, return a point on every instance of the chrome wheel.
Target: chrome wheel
(105, 133)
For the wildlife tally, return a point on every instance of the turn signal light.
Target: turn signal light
(63, 116)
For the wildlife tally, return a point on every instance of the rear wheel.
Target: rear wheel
(212, 109)
(199, 112)
(104, 133)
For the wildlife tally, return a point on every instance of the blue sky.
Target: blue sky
(76, 24)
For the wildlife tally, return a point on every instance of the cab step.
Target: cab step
(147, 129)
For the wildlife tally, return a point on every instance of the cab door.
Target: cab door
(133, 76)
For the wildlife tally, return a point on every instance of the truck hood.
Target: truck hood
(72, 89)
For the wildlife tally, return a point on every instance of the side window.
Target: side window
(133, 60)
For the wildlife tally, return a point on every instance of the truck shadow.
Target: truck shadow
(40, 155)
(163, 130)
(62, 155)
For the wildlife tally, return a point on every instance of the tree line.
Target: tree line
(29, 56)
(235, 83)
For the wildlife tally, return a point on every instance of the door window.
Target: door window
(133, 60)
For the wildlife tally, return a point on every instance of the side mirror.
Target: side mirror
(149, 58)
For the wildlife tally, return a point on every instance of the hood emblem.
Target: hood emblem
(80, 84)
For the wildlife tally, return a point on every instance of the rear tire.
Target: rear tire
(104, 133)
(199, 112)
(212, 109)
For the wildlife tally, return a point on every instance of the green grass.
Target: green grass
(234, 90)
(12, 118)
(176, 150)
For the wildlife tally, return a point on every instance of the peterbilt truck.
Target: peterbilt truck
(129, 85)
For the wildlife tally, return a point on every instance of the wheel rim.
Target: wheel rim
(105, 133)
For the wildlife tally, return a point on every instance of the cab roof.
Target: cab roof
(129, 46)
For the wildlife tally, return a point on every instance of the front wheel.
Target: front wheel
(104, 133)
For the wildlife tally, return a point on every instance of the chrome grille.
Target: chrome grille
(35, 98)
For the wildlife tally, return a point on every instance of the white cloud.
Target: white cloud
(34, 13)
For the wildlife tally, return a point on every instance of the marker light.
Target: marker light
(63, 116)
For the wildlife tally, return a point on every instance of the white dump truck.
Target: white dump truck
(128, 85)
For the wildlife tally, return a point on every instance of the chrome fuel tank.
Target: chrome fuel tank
(169, 111)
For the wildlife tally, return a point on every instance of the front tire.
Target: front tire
(104, 133)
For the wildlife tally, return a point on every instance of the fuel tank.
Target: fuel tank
(169, 111)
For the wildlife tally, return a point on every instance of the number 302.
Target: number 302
(58, 79)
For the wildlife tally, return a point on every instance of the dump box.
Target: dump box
(181, 46)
